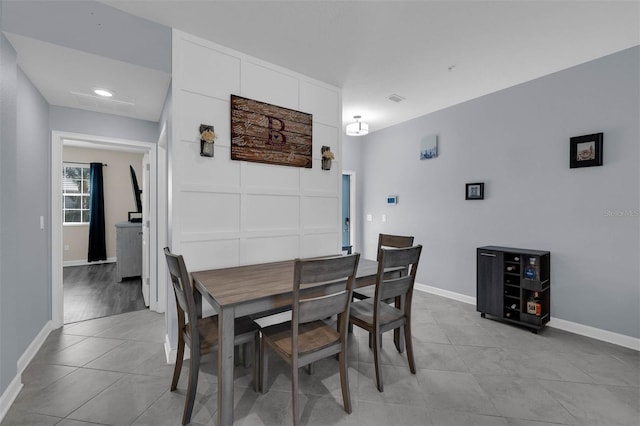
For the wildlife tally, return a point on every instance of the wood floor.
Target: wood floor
(91, 291)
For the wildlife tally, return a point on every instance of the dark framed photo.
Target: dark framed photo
(585, 151)
(474, 191)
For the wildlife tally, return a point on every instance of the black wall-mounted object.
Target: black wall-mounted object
(137, 215)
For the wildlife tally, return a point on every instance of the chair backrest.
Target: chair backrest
(395, 241)
(390, 285)
(337, 274)
(182, 288)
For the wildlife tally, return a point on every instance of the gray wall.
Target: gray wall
(95, 123)
(25, 283)
(8, 214)
(517, 142)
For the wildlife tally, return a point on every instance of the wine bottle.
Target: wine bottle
(531, 305)
(537, 304)
(511, 268)
(530, 270)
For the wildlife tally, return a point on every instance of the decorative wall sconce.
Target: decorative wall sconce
(327, 156)
(207, 138)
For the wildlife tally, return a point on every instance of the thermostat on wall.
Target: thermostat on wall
(392, 199)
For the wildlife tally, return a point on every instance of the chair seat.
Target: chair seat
(312, 337)
(362, 312)
(208, 329)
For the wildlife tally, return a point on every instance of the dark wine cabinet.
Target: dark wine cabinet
(507, 278)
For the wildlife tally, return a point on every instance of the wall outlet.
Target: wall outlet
(369, 218)
(384, 217)
(66, 247)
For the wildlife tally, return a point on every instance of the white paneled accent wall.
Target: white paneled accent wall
(228, 213)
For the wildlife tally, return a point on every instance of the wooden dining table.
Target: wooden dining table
(246, 290)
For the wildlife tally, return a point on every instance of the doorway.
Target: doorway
(149, 150)
(348, 212)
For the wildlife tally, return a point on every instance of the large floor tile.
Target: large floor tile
(130, 396)
(128, 357)
(83, 352)
(460, 418)
(524, 399)
(375, 414)
(607, 370)
(16, 417)
(593, 404)
(452, 391)
(68, 393)
(437, 356)
(400, 386)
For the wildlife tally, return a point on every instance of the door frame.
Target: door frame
(58, 139)
(353, 217)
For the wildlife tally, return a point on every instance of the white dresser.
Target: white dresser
(128, 250)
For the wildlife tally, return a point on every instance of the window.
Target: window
(75, 193)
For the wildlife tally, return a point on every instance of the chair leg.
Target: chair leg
(376, 358)
(294, 392)
(409, 343)
(344, 382)
(194, 367)
(256, 362)
(237, 355)
(263, 366)
(178, 365)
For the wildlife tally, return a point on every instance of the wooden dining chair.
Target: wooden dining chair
(201, 334)
(327, 286)
(384, 240)
(376, 316)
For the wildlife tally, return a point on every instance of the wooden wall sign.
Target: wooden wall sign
(264, 133)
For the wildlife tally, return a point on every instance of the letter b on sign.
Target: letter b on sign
(276, 137)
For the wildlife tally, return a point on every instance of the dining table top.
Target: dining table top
(229, 286)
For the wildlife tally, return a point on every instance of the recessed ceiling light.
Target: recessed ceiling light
(103, 92)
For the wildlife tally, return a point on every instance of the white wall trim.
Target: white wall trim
(446, 293)
(560, 324)
(34, 347)
(9, 395)
(169, 352)
(12, 391)
(595, 333)
(83, 262)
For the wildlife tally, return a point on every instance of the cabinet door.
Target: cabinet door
(489, 284)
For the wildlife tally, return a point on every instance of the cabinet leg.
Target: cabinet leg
(534, 331)
(483, 315)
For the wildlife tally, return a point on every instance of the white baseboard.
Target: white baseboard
(34, 347)
(9, 395)
(595, 333)
(446, 293)
(12, 391)
(83, 262)
(169, 353)
(560, 324)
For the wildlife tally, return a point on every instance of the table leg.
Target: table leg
(226, 335)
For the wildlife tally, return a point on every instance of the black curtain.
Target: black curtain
(97, 243)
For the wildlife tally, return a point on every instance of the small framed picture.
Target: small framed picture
(474, 191)
(585, 151)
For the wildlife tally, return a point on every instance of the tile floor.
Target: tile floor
(471, 371)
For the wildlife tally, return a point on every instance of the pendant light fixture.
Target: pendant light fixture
(358, 128)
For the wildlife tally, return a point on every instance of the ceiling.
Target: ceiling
(434, 54)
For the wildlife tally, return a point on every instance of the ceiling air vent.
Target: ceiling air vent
(395, 98)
